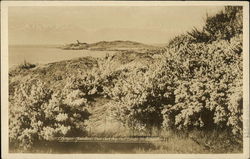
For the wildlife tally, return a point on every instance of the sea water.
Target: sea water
(45, 54)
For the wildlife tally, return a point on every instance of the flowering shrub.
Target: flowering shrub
(37, 113)
(25, 117)
(226, 24)
(137, 99)
(208, 71)
(197, 86)
(207, 92)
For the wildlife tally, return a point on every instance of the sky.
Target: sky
(41, 25)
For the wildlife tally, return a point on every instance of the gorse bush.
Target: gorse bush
(37, 113)
(206, 78)
(208, 71)
(135, 99)
(25, 114)
(224, 25)
(197, 86)
(194, 85)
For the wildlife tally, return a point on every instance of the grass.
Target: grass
(196, 141)
(175, 145)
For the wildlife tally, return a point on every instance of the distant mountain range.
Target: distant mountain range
(117, 45)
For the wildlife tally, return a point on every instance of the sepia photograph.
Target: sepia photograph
(125, 78)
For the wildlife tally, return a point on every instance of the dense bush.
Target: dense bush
(37, 113)
(25, 117)
(206, 79)
(208, 85)
(197, 86)
(133, 96)
(226, 24)
(223, 26)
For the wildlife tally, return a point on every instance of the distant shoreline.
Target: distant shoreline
(117, 45)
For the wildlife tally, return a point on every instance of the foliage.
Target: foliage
(37, 113)
(208, 89)
(223, 26)
(197, 86)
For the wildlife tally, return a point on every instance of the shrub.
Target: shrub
(25, 118)
(26, 65)
(37, 113)
(208, 77)
(207, 67)
(225, 24)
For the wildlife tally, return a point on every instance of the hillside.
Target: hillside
(117, 45)
(56, 77)
(55, 74)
